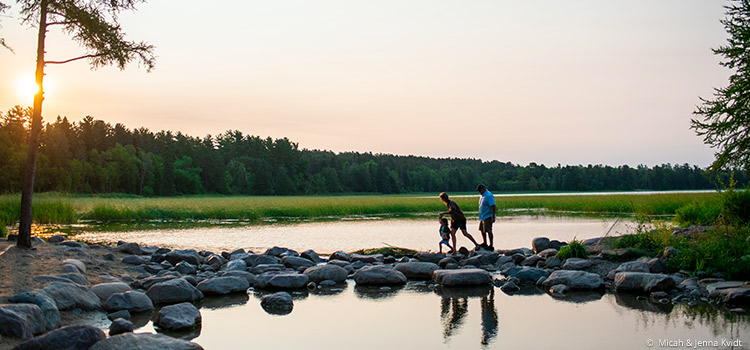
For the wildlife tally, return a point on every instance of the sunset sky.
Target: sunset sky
(569, 82)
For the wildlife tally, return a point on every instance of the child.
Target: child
(445, 234)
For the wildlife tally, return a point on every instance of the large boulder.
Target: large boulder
(173, 291)
(574, 279)
(45, 303)
(529, 275)
(539, 244)
(279, 303)
(430, 257)
(68, 296)
(223, 285)
(189, 255)
(105, 290)
(326, 272)
(643, 282)
(249, 277)
(78, 337)
(281, 280)
(463, 277)
(79, 266)
(178, 317)
(133, 301)
(630, 266)
(417, 270)
(296, 262)
(22, 320)
(144, 341)
(237, 265)
(378, 275)
(731, 292)
(576, 264)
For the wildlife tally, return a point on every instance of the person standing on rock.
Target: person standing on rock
(458, 220)
(487, 213)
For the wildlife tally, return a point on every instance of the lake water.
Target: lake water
(352, 234)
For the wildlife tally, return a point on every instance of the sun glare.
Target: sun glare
(26, 89)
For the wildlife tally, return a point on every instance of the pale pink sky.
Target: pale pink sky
(570, 82)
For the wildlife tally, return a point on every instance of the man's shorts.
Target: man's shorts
(485, 225)
(458, 224)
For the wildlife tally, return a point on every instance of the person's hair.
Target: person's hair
(444, 197)
(444, 221)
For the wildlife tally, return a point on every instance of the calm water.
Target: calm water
(349, 235)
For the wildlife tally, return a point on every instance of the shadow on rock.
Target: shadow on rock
(141, 319)
(187, 335)
(376, 292)
(637, 302)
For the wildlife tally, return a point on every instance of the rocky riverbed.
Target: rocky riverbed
(67, 290)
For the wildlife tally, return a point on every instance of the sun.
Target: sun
(26, 89)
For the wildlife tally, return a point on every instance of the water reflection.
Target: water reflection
(376, 292)
(642, 303)
(454, 310)
(580, 297)
(224, 301)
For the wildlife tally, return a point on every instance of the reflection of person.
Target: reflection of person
(489, 317)
(487, 212)
(445, 234)
(458, 220)
(454, 308)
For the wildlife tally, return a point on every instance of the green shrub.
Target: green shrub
(725, 250)
(698, 213)
(574, 249)
(735, 207)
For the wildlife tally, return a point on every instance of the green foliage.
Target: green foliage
(725, 250)
(394, 251)
(574, 249)
(736, 206)
(725, 118)
(698, 213)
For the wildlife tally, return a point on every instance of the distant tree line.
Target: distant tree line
(92, 156)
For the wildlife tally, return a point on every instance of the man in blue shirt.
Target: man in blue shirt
(487, 211)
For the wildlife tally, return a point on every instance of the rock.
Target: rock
(79, 337)
(311, 255)
(44, 302)
(133, 260)
(173, 291)
(417, 270)
(642, 282)
(144, 341)
(327, 284)
(558, 290)
(378, 275)
(501, 260)
(178, 317)
(326, 272)
(279, 303)
(68, 296)
(367, 259)
(296, 262)
(186, 268)
(574, 279)
(278, 251)
(732, 292)
(339, 255)
(576, 264)
(120, 326)
(56, 239)
(531, 260)
(105, 290)
(124, 314)
(548, 253)
(223, 285)
(631, 266)
(260, 259)
(249, 277)
(670, 252)
(22, 320)
(510, 287)
(463, 277)
(130, 248)
(71, 244)
(518, 258)
(530, 275)
(132, 301)
(553, 262)
(188, 255)
(539, 244)
(281, 280)
(110, 257)
(216, 261)
(237, 265)
(76, 278)
(430, 257)
(77, 264)
(656, 265)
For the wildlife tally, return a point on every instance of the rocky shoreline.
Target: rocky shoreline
(128, 280)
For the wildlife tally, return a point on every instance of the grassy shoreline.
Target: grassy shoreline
(57, 208)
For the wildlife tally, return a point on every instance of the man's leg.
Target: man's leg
(488, 227)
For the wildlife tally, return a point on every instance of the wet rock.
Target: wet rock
(574, 279)
(79, 337)
(281, 280)
(144, 341)
(642, 282)
(120, 326)
(189, 255)
(576, 264)
(68, 296)
(279, 303)
(378, 275)
(173, 291)
(462, 277)
(130, 248)
(223, 285)
(539, 244)
(417, 270)
(21, 320)
(178, 317)
(296, 262)
(510, 287)
(105, 290)
(132, 301)
(326, 272)
(44, 302)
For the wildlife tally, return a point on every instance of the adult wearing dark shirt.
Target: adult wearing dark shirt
(458, 220)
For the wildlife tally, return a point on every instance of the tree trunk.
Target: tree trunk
(24, 227)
